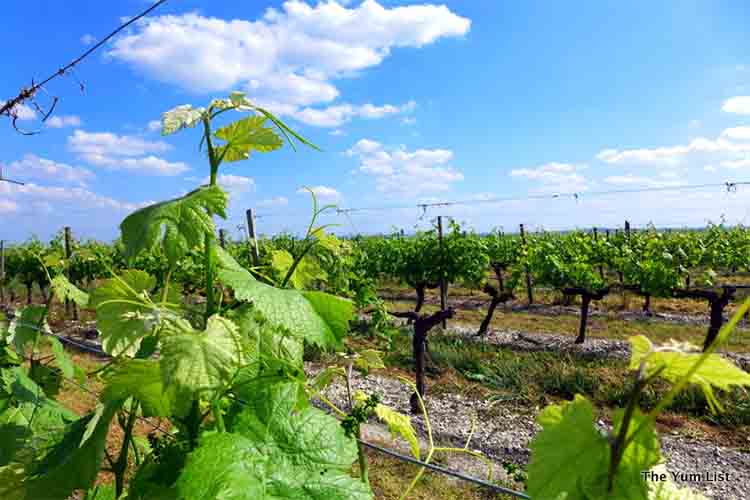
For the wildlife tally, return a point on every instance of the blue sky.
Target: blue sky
(410, 102)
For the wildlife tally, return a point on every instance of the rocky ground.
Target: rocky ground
(503, 432)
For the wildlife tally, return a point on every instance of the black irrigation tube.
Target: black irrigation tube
(447, 472)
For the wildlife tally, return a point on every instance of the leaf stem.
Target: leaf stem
(121, 465)
(214, 162)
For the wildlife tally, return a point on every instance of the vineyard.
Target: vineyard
(216, 362)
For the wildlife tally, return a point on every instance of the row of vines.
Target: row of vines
(687, 264)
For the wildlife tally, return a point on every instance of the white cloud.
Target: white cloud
(408, 120)
(701, 148)
(335, 116)
(739, 105)
(88, 39)
(400, 172)
(146, 164)
(154, 125)
(289, 58)
(638, 181)
(737, 133)
(278, 201)
(34, 167)
(325, 193)
(234, 184)
(364, 146)
(106, 143)
(337, 132)
(554, 177)
(63, 121)
(734, 164)
(22, 111)
(30, 197)
(123, 152)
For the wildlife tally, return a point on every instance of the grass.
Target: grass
(539, 378)
(390, 478)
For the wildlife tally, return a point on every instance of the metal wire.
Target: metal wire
(729, 186)
(28, 93)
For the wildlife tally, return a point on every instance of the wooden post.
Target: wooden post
(529, 292)
(252, 239)
(443, 284)
(223, 238)
(2, 271)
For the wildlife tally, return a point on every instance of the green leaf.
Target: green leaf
(243, 136)
(567, 453)
(281, 261)
(677, 359)
(179, 118)
(336, 312)
(13, 435)
(275, 453)
(68, 466)
(226, 466)
(200, 363)
(26, 328)
(155, 478)
(307, 437)
(64, 289)
(53, 259)
(11, 482)
(63, 360)
(33, 422)
(265, 340)
(223, 466)
(307, 270)
(47, 377)
(399, 424)
(4, 325)
(123, 311)
(101, 492)
(319, 318)
(368, 359)
(140, 379)
(178, 225)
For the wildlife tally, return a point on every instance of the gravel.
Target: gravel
(503, 432)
